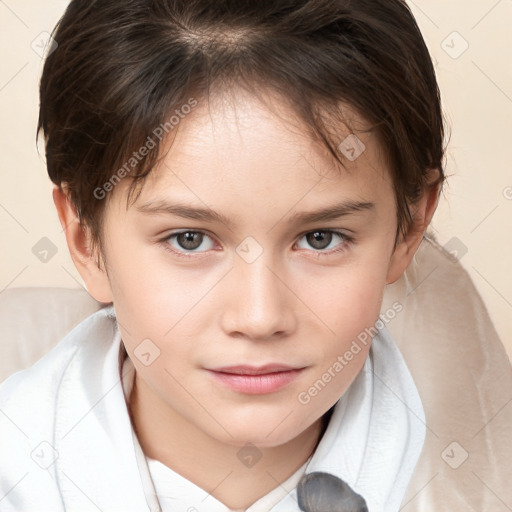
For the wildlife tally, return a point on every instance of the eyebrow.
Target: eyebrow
(208, 215)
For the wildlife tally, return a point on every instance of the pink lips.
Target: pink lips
(256, 380)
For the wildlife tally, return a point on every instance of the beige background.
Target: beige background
(475, 214)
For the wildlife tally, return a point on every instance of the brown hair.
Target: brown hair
(122, 67)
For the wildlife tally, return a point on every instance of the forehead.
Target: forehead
(248, 148)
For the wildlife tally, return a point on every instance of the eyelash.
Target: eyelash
(347, 241)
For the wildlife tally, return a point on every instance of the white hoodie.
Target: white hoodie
(67, 443)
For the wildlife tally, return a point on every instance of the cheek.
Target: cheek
(349, 301)
(149, 292)
(350, 309)
(168, 305)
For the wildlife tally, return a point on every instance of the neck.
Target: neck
(180, 445)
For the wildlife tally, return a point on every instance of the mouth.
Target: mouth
(256, 370)
(253, 380)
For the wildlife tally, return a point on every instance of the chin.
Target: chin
(263, 429)
(258, 439)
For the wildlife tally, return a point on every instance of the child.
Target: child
(238, 182)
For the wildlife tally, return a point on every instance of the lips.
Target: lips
(255, 380)
(255, 370)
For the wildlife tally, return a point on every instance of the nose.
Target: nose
(259, 304)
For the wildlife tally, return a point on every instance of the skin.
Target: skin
(297, 303)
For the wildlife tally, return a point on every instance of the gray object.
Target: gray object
(323, 492)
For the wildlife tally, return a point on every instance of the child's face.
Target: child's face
(257, 291)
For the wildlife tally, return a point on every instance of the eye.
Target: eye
(188, 241)
(185, 243)
(321, 240)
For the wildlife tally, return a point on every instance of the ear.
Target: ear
(422, 215)
(78, 239)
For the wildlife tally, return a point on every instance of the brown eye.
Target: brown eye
(319, 239)
(189, 241)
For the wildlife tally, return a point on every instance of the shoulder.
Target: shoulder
(33, 385)
(28, 407)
